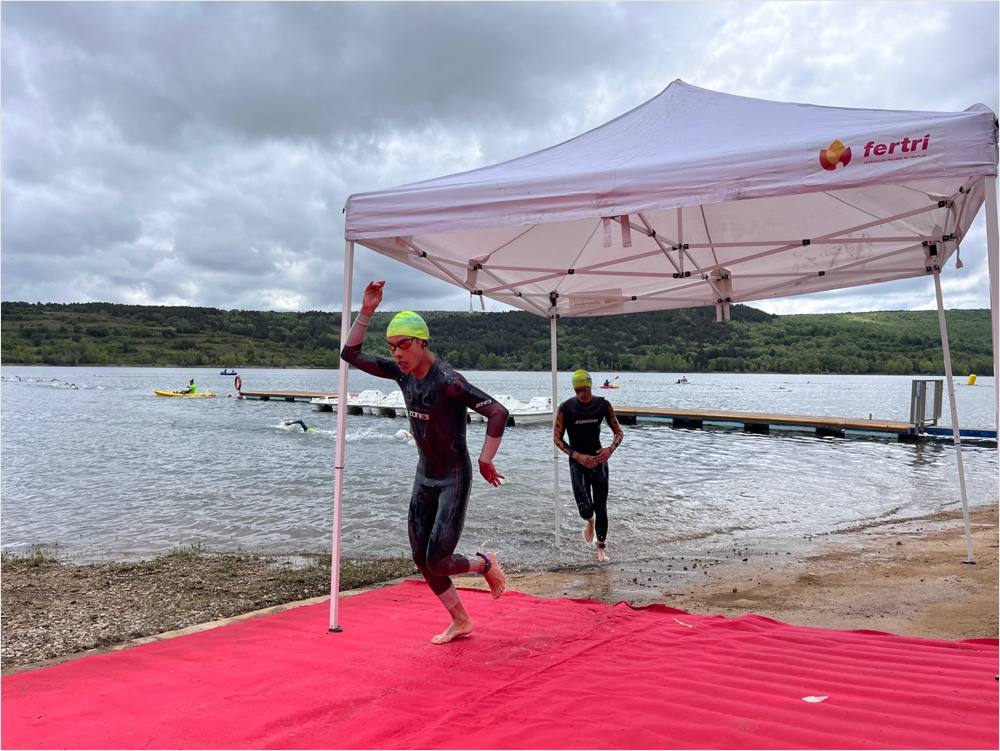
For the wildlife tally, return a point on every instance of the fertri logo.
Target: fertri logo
(836, 154)
(878, 150)
(905, 148)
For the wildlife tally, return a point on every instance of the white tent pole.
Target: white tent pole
(954, 414)
(341, 448)
(993, 255)
(555, 408)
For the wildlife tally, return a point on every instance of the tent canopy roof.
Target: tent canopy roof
(694, 198)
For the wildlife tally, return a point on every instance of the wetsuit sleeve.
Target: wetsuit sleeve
(479, 401)
(615, 426)
(383, 367)
(558, 431)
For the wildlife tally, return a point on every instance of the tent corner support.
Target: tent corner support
(554, 349)
(341, 448)
(950, 377)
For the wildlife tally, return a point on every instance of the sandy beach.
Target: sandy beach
(904, 576)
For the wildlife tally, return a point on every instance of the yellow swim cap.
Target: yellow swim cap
(581, 378)
(408, 323)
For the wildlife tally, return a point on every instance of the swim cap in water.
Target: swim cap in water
(581, 378)
(408, 323)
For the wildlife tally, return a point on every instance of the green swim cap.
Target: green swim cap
(408, 323)
(581, 378)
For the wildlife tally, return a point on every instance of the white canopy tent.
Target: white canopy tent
(695, 198)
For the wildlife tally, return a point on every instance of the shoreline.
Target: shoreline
(906, 576)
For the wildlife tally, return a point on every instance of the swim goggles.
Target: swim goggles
(404, 343)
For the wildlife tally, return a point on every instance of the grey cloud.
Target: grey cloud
(201, 153)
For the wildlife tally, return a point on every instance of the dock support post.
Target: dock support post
(338, 463)
(946, 349)
(555, 411)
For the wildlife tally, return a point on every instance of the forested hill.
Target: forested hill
(671, 341)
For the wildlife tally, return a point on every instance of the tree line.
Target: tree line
(677, 341)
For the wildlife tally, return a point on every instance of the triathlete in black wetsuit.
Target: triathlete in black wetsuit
(581, 417)
(437, 398)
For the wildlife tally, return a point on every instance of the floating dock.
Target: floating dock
(762, 422)
(751, 422)
(288, 396)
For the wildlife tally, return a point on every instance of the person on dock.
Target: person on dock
(581, 417)
(290, 423)
(437, 399)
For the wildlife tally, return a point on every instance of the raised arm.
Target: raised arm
(383, 367)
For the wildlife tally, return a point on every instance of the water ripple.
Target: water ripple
(107, 469)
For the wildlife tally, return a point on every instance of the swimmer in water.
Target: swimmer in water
(305, 428)
(437, 398)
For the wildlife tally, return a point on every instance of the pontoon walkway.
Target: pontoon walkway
(752, 422)
(762, 422)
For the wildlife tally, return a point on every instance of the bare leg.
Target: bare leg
(461, 624)
(495, 576)
(588, 531)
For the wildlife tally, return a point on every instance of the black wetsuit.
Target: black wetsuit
(290, 423)
(436, 405)
(590, 486)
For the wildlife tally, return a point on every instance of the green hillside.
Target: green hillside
(901, 342)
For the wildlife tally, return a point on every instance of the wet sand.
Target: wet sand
(906, 577)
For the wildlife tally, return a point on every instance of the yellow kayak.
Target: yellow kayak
(195, 395)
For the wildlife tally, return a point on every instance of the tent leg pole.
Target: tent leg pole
(341, 449)
(993, 256)
(555, 406)
(954, 414)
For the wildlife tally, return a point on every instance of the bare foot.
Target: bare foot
(602, 556)
(588, 531)
(454, 631)
(495, 577)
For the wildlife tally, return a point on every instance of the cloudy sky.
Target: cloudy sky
(200, 154)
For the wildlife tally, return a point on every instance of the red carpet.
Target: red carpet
(538, 674)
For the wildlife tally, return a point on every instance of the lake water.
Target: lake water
(108, 470)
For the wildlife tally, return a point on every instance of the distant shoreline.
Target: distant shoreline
(670, 341)
(957, 376)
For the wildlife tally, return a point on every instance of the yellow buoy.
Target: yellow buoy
(972, 379)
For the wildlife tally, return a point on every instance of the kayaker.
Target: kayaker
(581, 417)
(191, 389)
(437, 399)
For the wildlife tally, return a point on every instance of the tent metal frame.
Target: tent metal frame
(717, 275)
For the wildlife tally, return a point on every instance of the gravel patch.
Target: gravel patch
(51, 609)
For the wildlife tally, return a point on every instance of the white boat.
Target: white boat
(392, 405)
(368, 400)
(324, 403)
(537, 411)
